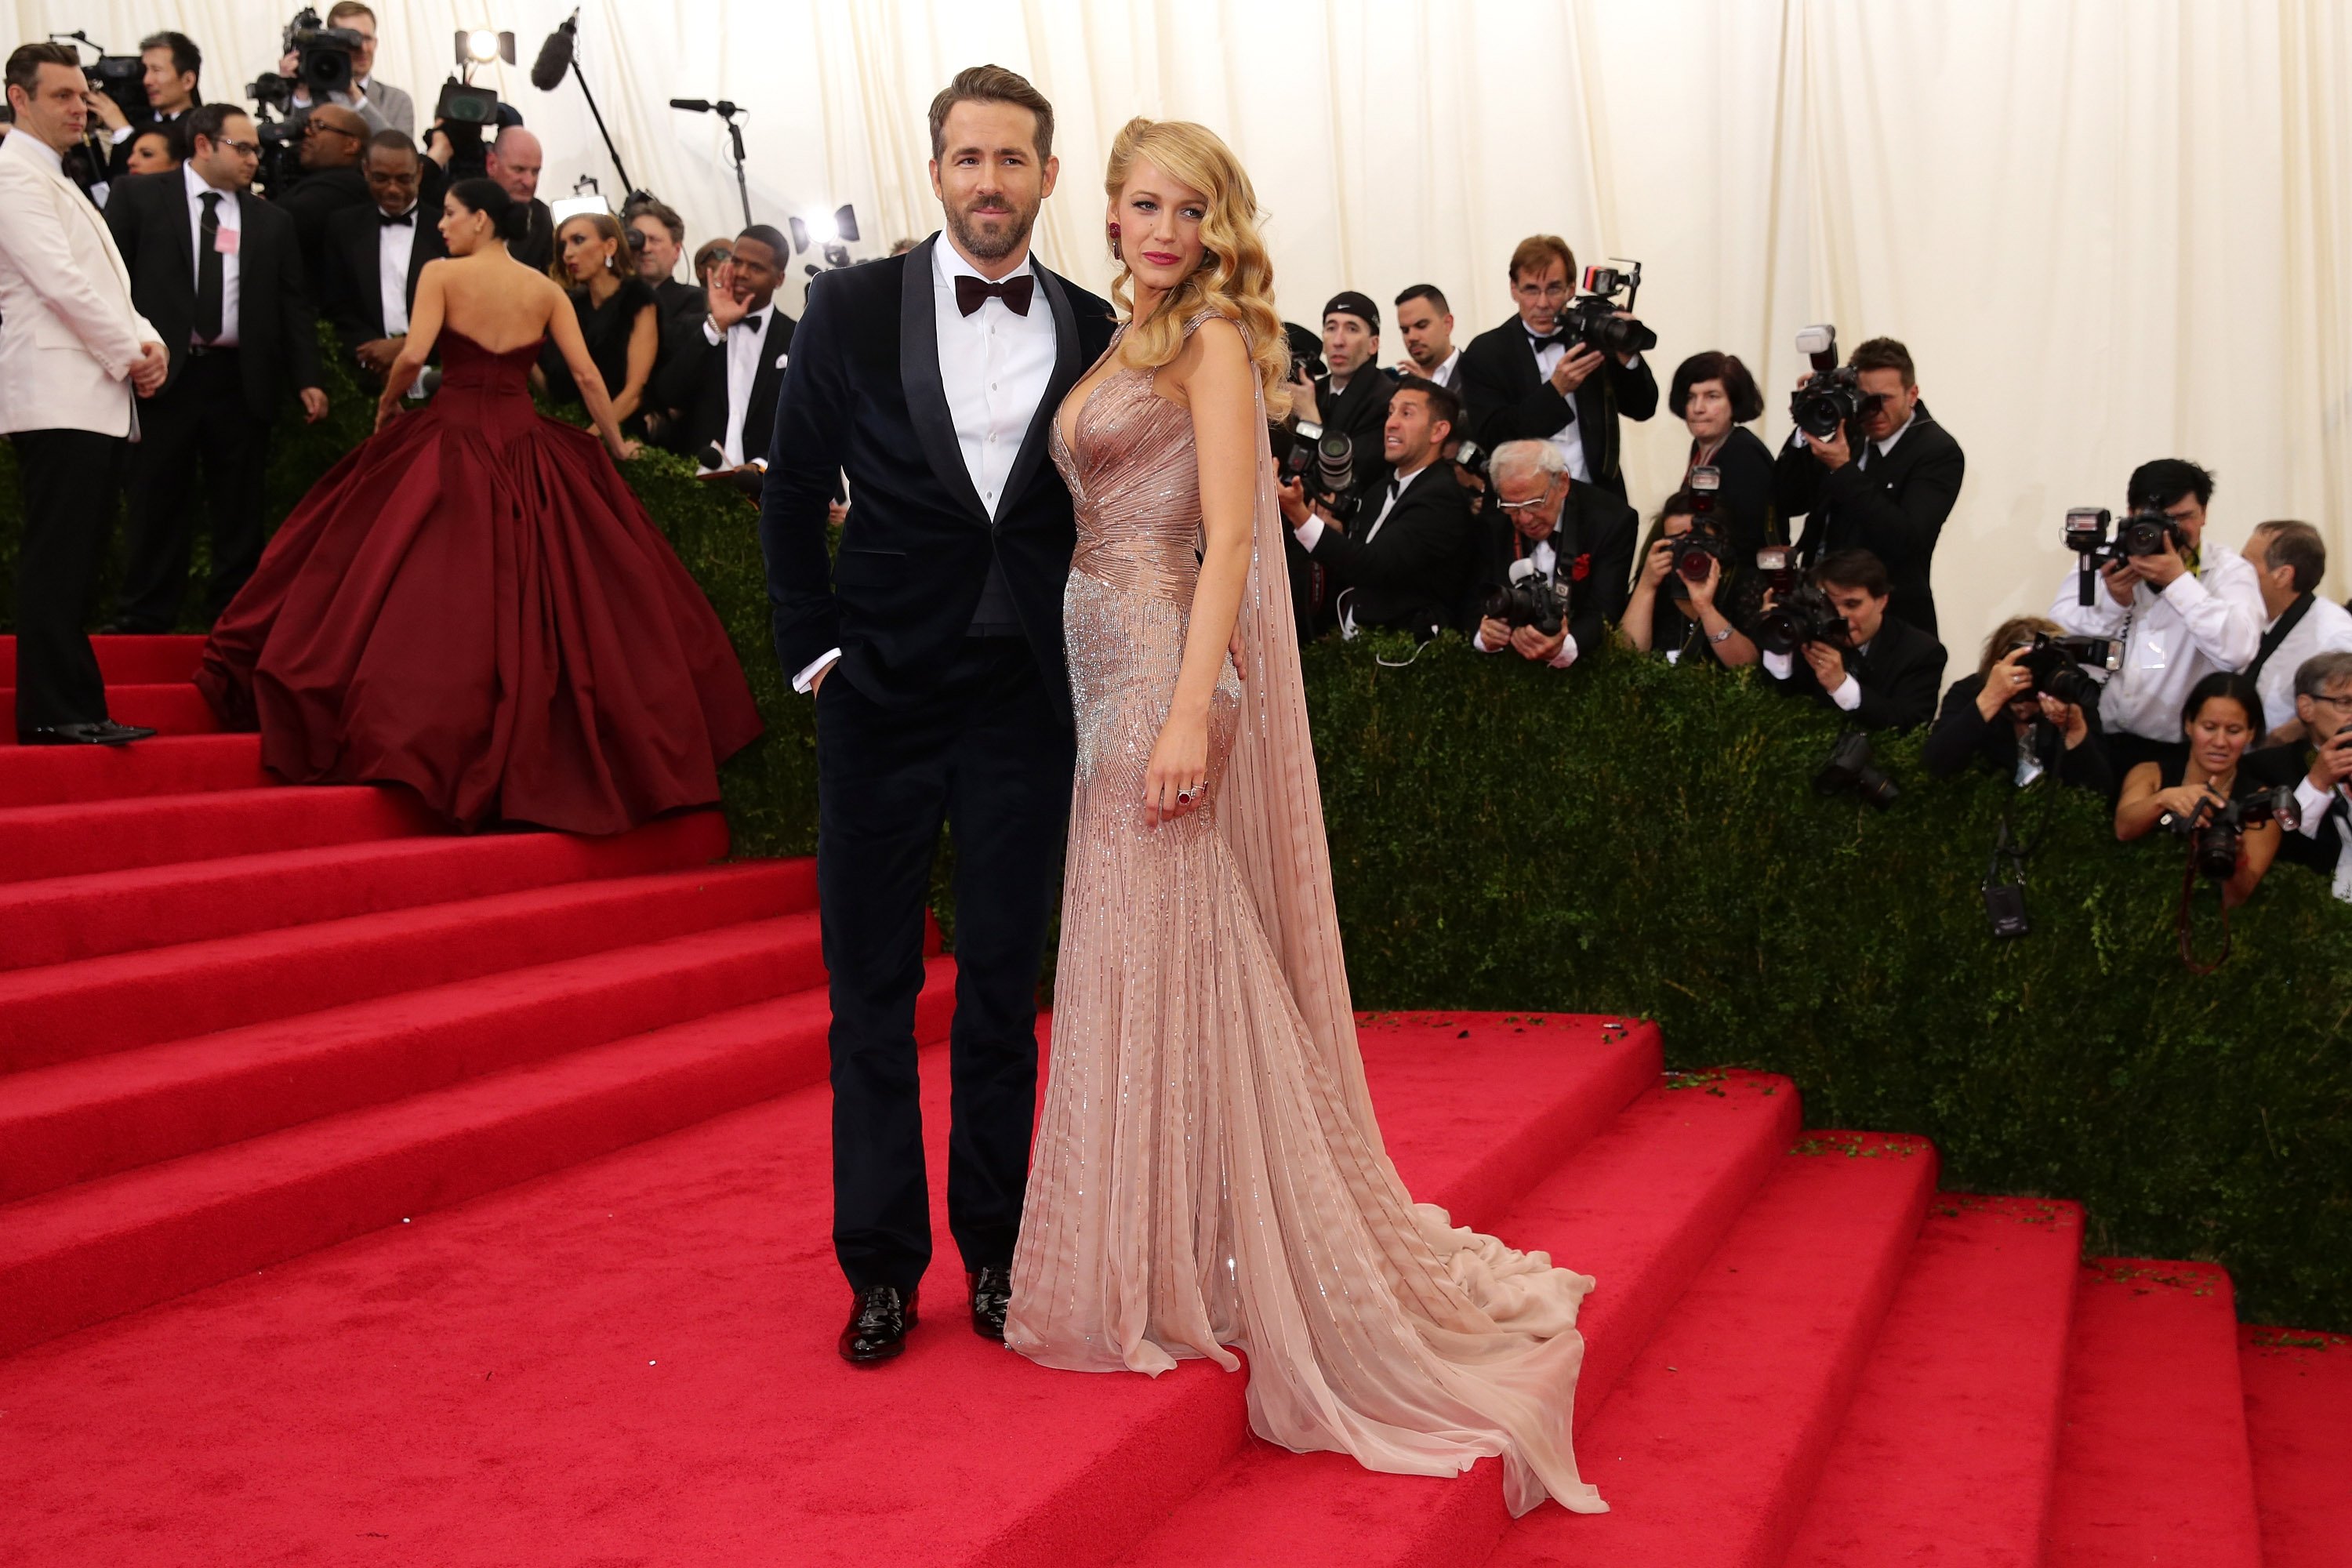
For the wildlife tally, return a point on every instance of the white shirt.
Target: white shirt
(744, 340)
(1308, 532)
(1568, 437)
(2325, 628)
(1847, 694)
(994, 367)
(231, 222)
(1544, 555)
(395, 245)
(1447, 369)
(2207, 621)
(49, 155)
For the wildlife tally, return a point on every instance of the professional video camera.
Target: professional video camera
(1850, 768)
(2214, 832)
(2056, 665)
(1705, 541)
(1591, 317)
(1325, 461)
(1530, 599)
(1803, 615)
(1833, 394)
(322, 58)
(2097, 539)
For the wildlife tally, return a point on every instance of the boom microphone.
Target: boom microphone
(722, 108)
(554, 62)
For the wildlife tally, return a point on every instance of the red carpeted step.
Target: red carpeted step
(2299, 1419)
(1709, 1447)
(2153, 1460)
(110, 1247)
(125, 661)
(171, 708)
(1971, 1369)
(1640, 1208)
(69, 1011)
(84, 1120)
(62, 919)
(168, 764)
(81, 837)
(476, 1388)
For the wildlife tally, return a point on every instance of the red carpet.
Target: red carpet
(373, 1195)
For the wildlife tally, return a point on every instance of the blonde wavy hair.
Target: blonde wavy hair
(1236, 277)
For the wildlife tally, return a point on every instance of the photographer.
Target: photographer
(2319, 768)
(2222, 716)
(1672, 611)
(1715, 397)
(2185, 613)
(2289, 559)
(514, 160)
(1528, 382)
(1351, 398)
(1885, 483)
(334, 141)
(1426, 323)
(1547, 535)
(658, 238)
(375, 254)
(381, 105)
(171, 69)
(1882, 670)
(1999, 718)
(1402, 560)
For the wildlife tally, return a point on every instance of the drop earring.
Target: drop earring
(1115, 256)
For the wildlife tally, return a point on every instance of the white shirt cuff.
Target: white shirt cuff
(2313, 801)
(1848, 694)
(1308, 532)
(1567, 654)
(806, 679)
(119, 137)
(711, 333)
(1478, 641)
(2196, 591)
(1778, 666)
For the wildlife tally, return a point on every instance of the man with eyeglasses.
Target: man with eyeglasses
(2319, 767)
(1549, 533)
(381, 105)
(219, 272)
(334, 141)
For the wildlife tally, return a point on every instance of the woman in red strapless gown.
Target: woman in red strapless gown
(473, 604)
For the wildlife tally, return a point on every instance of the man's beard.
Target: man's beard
(984, 246)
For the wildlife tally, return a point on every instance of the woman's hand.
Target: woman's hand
(2005, 682)
(1660, 561)
(385, 408)
(2184, 801)
(1702, 592)
(1179, 765)
(2068, 718)
(626, 449)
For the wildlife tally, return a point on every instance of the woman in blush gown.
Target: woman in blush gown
(473, 604)
(1208, 1172)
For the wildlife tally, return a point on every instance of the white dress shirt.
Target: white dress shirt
(1309, 533)
(2314, 802)
(395, 245)
(1568, 437)
(232, 222)
(1448, 371)
(2325, 628)
(1847, 694)
(744, 340)
(994, 367)
(2208, 620)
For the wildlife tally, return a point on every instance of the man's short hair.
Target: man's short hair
(2296, 546)
(665, 215)
(2163, 482)
(1853, 569)
(1884, 354)
(1747, 400)
(207, 118)
(344, 9)
(1538, 251)
(1442, 404)
(1529, 456)
(2315, 675)
(770, 237)
(392, 141)
(25, 63)
(1428, 291)
(992, 84)
(186, 58)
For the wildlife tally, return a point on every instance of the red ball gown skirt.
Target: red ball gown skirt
(475, 605)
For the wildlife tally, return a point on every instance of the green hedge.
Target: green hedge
(1629, 838)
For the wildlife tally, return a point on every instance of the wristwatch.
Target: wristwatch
(1723, 635)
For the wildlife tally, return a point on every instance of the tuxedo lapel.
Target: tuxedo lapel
(919, 374)
(1068, 366)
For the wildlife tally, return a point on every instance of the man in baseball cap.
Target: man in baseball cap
(1353, 397)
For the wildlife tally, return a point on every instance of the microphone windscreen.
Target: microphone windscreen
(554, 61)
(691, 105)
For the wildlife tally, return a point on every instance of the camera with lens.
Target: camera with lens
(322, 55)
(1705, 543)
(1848, 768)
(1833, 394)
(1591, 317)
(1324, 461)
(1530, 599)
(1805, 614)
(2056, 665)
(2214, 832)
(2097, 539)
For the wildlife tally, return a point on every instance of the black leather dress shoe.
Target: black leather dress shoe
(992, 1295)
(103, 732)
(879, 1318)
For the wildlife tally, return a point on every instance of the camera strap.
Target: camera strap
(2005, 899)
(2278, 633)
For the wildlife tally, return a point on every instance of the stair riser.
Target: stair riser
(82, 917)
(75, 841)
(128, 660)
(61, 775)
(106, 1276)
(166, 1120)
(119, 1003)
(176, 708)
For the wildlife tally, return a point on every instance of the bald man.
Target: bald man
(333, 140)
(514, 161)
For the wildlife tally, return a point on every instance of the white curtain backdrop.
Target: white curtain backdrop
(2109, 230)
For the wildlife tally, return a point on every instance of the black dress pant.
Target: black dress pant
(202, 421)
(70, 480)
(988, 752)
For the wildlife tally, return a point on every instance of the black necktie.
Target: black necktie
(208, 268)
(404, 220)
(972, 292)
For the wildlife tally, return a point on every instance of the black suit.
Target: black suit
(923, 721)
(1898, 673)
(1892, 506)
(216, 406)
(1516, 402)
(352, 284)
(314, 201)
(1592, 561)
(1359, 413)
(1962, 732)
(692, 379)
(536, 248)
(1745, 500)
(1407, 573)
(2291, 765)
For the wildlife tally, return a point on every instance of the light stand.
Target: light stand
(726, 109)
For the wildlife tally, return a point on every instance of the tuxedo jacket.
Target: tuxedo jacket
(69, 332)
(1899, 675)
(536, 248)
(1592, 561)
(1408, 574)
(863, 396)
(1895, 508)
(350, 289)
(692, 379)
(277, 325)
(1514, 402)
(2290, 766)
(314, 201)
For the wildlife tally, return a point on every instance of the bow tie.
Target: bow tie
(751, 322)
(972, 292)
(1542, 343)
(405, 220)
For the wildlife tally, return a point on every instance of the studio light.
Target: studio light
(484, 45)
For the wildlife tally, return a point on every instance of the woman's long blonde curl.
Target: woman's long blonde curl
(1237, 282)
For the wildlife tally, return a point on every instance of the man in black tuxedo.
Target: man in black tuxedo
(334, 142)
(374, 254)
(1401, 562)
(720, 371)
(1889, 671)
(934, 646)
(1544, 527)
(514, 159)
(1350, 397)
(1527, 383)
(1884, 484)
(2320, 775)
(171, 70)
(219, 273)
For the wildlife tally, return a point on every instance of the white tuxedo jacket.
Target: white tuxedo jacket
(68, 332)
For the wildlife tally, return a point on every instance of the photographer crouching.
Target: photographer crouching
(2028, 711)
(1691, 592)
(1555, 558)
(1833, 639)
(2318, 769)
(2231, 819)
